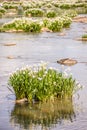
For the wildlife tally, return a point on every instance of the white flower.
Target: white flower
(54, 83)
(65, 74)
(43, 64)
(33, 76)
(39, 78)
(45, 72)
(51, 68)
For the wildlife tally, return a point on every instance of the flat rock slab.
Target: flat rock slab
(80, 19)
(67, 61)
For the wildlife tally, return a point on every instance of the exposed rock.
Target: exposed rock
(9, 44)
(14, 31)
(10, 57)
(67, 61)
(80, 19)
(45, 30)
(21, 101)
(61, 34)
(82, 39)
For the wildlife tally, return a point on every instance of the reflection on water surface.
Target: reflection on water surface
(43, 114)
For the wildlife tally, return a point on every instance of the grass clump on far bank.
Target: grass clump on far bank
(40, 83)
(34, 12)
(51, 14)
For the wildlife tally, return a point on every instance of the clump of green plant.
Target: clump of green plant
(84, 36)
(51, 14)
(33, 27)
(22, 24)
(71, 13)
(49, 5)
(55, 25)
(28, 5)
(13, 6)
(41, 83)
(65, 6)
(45, 22)
(56, 4)
(2, 10)
(66, 21)
(34, 12)
(1, 14)
(7, 5)
(81, 10)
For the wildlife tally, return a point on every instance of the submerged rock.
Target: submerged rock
(67, 61)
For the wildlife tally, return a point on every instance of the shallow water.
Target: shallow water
(31, 49)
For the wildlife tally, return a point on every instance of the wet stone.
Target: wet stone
(67, 61)
(10, 57)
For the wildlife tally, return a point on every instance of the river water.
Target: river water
(32, 49)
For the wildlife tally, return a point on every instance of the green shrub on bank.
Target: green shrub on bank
(27, 6)
(2, 10)
(51, 14)
(65, 6)
(10, 5)
(46, 22)
(81, 10)
(41, 83)
(34, 12)
(48, 5)
(6, 6)
(71, 13)
(1, 14)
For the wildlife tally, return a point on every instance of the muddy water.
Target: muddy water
(31, 49)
